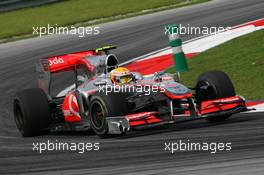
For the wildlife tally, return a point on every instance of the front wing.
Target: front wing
(210, 108)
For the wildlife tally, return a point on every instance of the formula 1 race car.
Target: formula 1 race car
(75, 92)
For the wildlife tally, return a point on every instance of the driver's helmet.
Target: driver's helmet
(121, 76)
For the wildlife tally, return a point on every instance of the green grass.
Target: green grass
(20, 22)
(242, 59)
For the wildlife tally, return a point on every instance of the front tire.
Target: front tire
(219, 86)
(31, 112)
(103, 106)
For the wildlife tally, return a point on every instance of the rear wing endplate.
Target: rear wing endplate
(43, 75)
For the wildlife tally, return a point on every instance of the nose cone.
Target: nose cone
(176, 88)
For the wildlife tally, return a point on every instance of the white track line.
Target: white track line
(259, 108)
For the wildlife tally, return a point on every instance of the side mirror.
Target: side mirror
(137, 76)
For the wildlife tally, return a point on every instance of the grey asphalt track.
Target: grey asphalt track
(138, 152)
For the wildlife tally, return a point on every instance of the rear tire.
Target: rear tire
(220, 86)
(103, 106)
(31, 111)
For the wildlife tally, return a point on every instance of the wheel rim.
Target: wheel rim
(98, 115)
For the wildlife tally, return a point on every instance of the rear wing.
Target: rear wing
(64, 62)
(46, 67)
